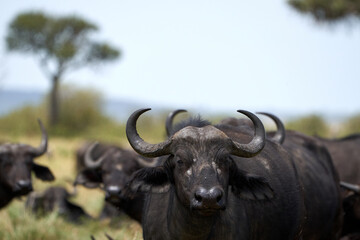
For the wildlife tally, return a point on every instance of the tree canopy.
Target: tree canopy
(62, 44)
(330, 11)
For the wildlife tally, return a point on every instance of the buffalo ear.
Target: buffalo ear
(152, 179)
(249, 186)
(88, 178)
(42, 172)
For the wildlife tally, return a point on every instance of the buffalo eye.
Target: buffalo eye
(223, 160)
(178, 160)
(6, 159)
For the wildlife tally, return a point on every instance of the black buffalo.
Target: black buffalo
(211, 186)
(108, 211)
(56, 199)
(351, 205)
(316, 169)
(16, 165)
(96, 152)
(345, 153)
(111, 171)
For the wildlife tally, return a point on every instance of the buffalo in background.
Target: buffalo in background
(111, 170)
(108, 211)
(351, 205)
(56, 199)
(16, 165)
(345, 153)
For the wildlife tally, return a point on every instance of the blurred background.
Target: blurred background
(83, 67)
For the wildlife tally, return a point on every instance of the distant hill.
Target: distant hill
(11, 100)
(120, 109)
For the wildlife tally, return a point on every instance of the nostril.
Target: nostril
(198, 197)
(218, 199)
(23, 183)
(113, 190)
(217, 193)
(200, 194)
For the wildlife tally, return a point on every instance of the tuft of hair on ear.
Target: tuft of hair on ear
(42, 172)
(153, 179)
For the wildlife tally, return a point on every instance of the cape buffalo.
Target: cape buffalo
(96, 152)
(208, 188)
(56, 199)
(112, 171)
(108, 211)
(213, 187)
(345, 153)
(16, 165)
(316, 172)
(351, 205)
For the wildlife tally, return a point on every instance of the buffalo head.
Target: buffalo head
(17, 163)
(111, 171)
(199, 165)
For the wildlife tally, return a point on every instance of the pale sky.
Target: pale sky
(206, 54)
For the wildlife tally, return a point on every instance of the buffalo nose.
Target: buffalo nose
(211, 198)
(24, 185)
(113, 191)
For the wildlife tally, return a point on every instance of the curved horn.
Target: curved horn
(256, 144)
(351, 187)
(44, 142)
(170, 119)
(279, 136)
(89, 161)
(108, 237)
(138, 144)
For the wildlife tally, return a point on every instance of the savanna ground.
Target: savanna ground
(18, 224)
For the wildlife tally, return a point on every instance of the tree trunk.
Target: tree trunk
(54, 101)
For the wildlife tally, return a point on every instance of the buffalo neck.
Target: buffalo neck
(133, 207)
(183, 223)
(5, 196)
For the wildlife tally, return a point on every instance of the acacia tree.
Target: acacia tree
(330, 11)
(61, 44)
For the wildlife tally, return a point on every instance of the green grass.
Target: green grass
(18, 224)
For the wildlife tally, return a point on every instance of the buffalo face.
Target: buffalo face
(15, 168)
(201, 170)
(111, 171)
(116, 172)
(199, 166)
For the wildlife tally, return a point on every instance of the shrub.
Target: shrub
(351, 125)
(22, 121)
(310, 125)
(80, 112)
